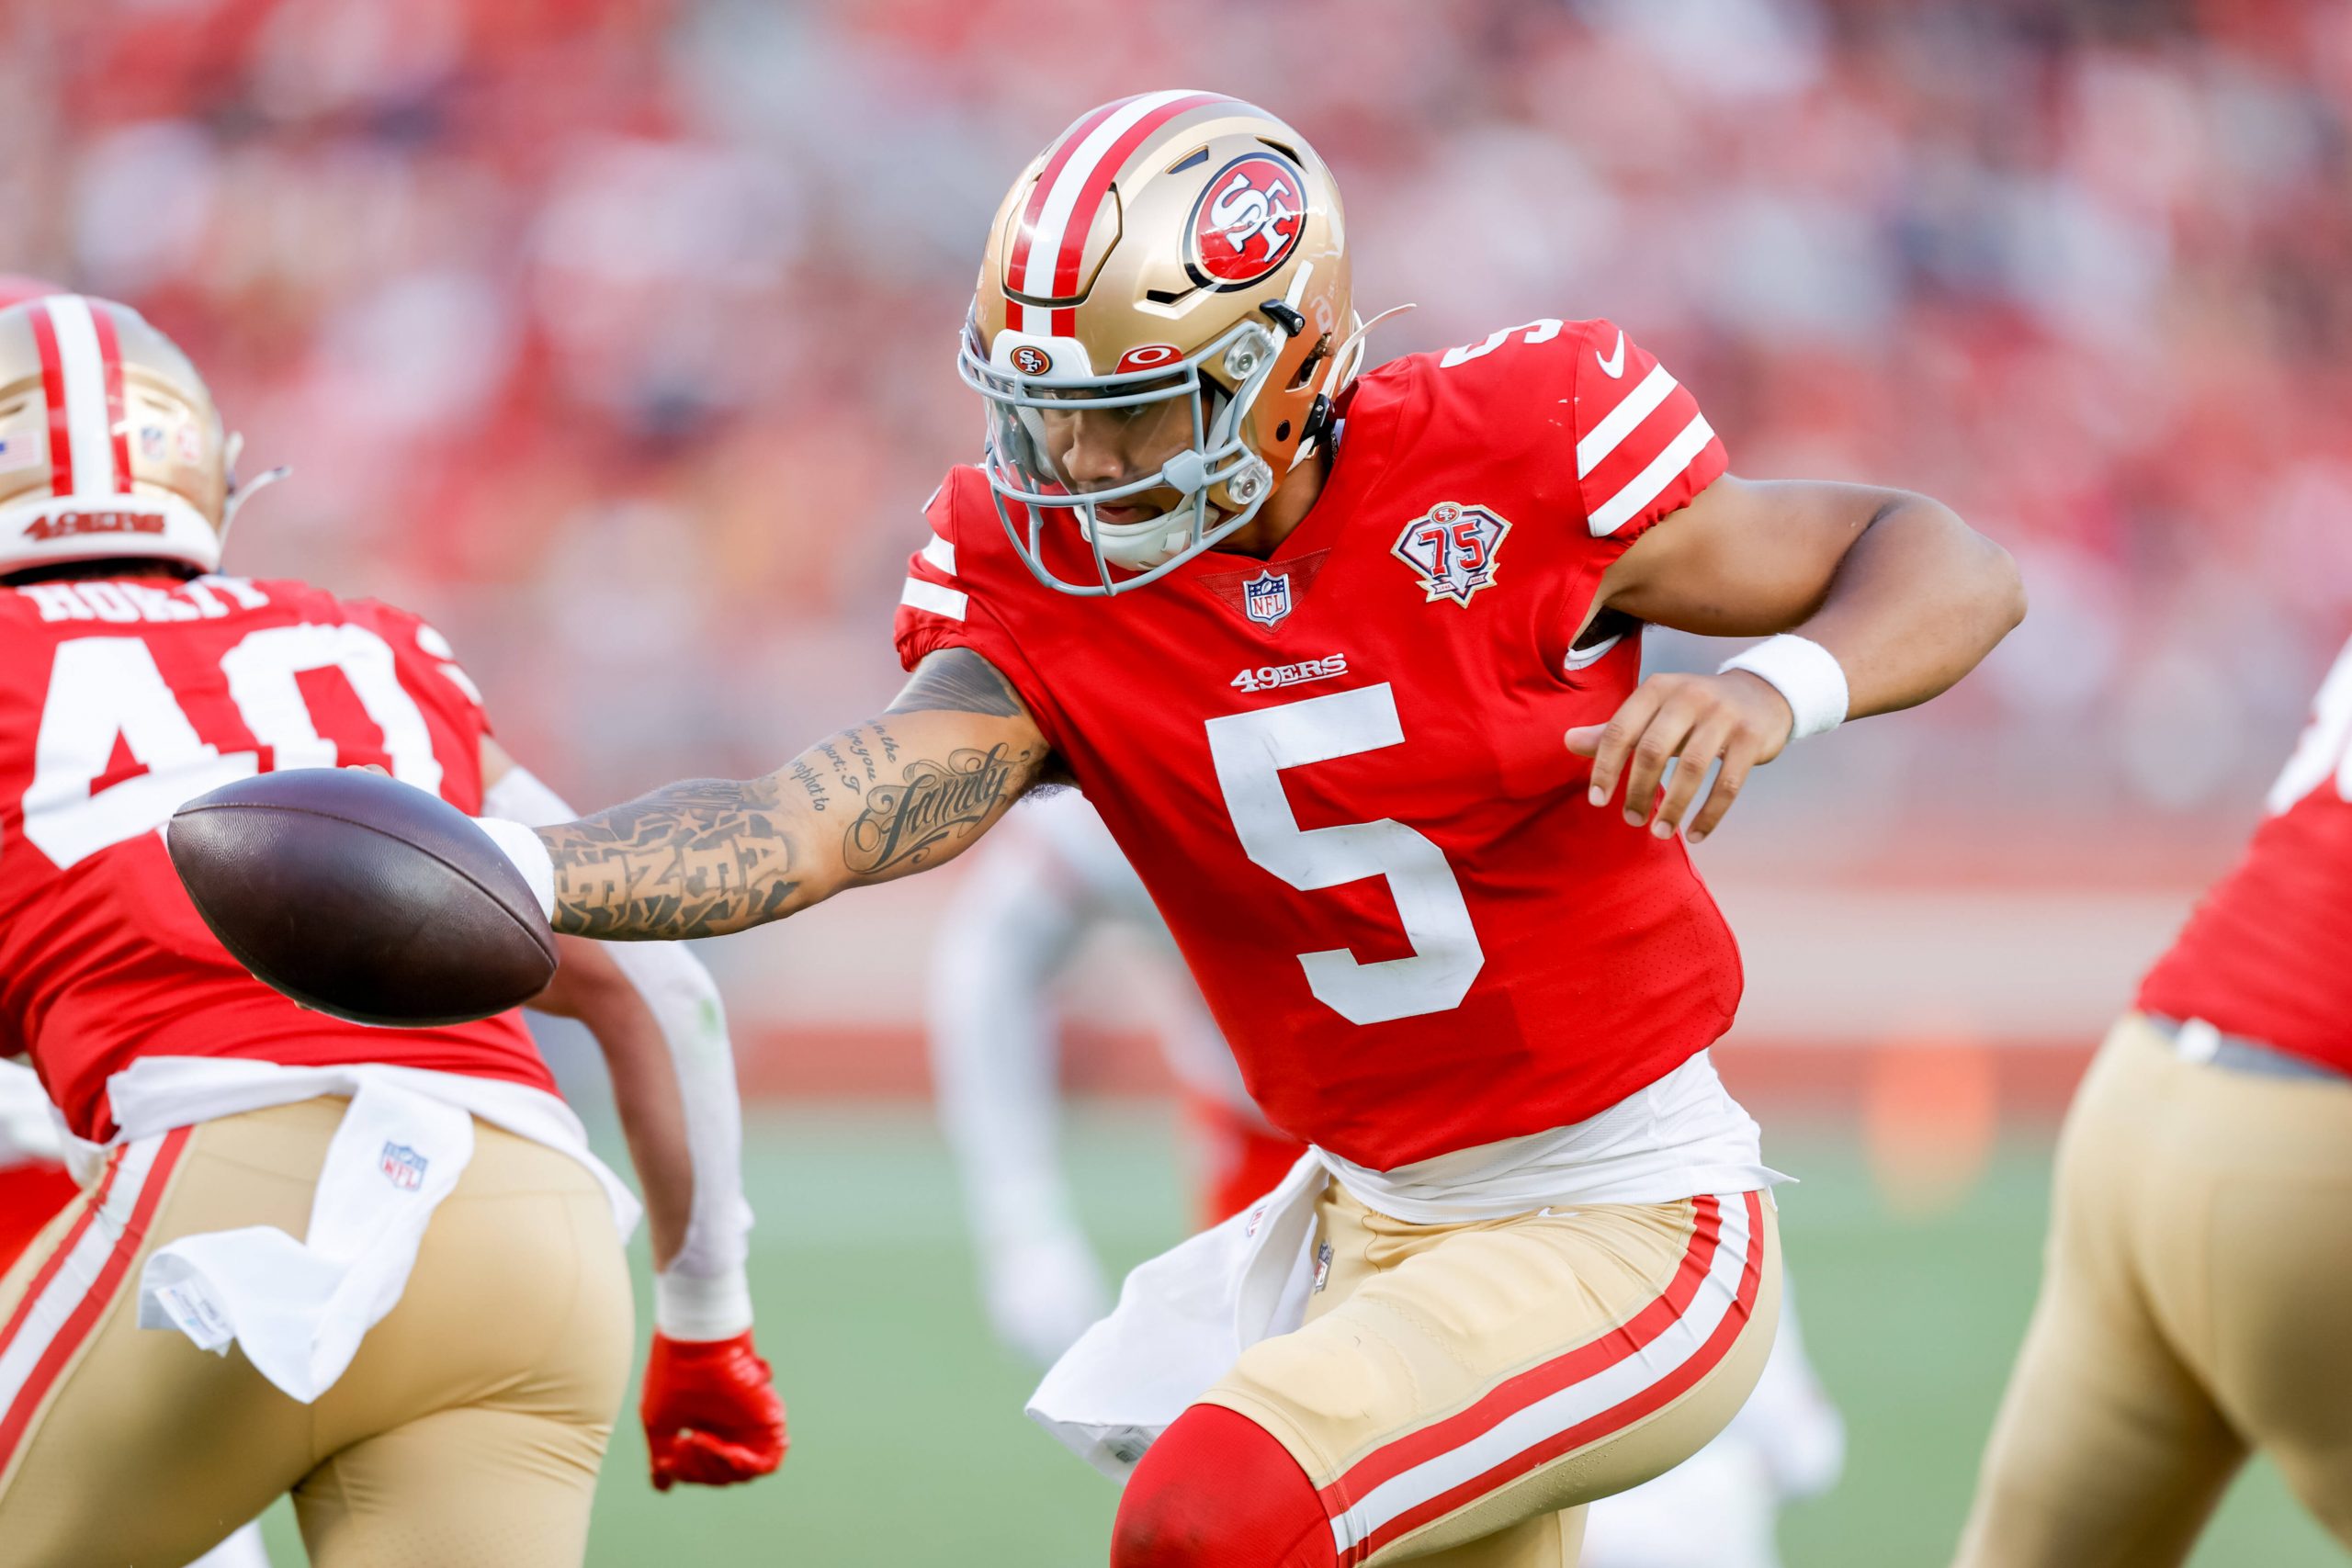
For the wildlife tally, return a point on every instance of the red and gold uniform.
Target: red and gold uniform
(119, 699)
(1363, 732)
(1340, 774)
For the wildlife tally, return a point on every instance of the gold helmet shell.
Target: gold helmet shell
(110, 447)
(1168, 247)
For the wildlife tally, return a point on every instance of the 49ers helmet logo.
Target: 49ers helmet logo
(1246, 222)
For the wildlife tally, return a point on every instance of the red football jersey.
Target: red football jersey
(1340, 773)
(118, 700)
(2267, 952)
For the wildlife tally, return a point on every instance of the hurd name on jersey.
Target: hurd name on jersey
(119, 699)
(2268, 954)
(1346, 787)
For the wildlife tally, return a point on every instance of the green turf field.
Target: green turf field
(910, 1446)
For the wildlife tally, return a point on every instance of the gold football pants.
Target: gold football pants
(2193, 1308)
(466, 1434)
(1459, 1392)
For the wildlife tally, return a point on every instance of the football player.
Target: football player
(2190, 1312)
(1350, 666)
(1047, 877)
(433, 1370)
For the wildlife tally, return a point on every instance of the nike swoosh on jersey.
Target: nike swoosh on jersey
(1614, 365)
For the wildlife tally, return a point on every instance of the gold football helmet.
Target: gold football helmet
(1172, 257)
(110, 447)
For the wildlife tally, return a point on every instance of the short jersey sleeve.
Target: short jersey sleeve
(1643, 449)
(942, 603)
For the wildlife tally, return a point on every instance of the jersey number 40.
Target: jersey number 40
(105, 690)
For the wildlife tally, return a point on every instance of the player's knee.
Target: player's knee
(1218, 1491)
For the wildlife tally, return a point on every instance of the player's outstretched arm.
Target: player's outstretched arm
(905, 791)
(1892, 596)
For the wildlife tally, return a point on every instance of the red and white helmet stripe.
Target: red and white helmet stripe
(1051, 243)
(81, 369)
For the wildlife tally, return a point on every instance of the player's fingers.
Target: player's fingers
(1615, 739)
(702, 1459)
(1739, 757)
(1706, 743)
(1661, 742)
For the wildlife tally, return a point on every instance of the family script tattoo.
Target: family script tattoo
(937, 804)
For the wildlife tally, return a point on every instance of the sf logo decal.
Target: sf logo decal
(1246, 222)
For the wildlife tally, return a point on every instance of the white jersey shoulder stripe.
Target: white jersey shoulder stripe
(934, 598)
(941, 554)
(1618, 422)
(1645, 486)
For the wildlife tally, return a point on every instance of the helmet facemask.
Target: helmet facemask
(1219, 475)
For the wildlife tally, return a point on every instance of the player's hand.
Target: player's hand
(1692, 721)
(712, 1416)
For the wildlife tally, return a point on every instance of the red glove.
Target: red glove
(711, 1412)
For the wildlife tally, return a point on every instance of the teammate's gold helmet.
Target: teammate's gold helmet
(1172, 248)
(110, 447)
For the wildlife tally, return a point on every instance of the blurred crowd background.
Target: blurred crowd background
(615, 335)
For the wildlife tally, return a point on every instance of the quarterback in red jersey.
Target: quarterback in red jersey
(2192, 1304)
(1349, 668)
(432, 1370)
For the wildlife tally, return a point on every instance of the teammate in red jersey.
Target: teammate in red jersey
(1312, 645)
(2192, 1304)
(433, 1370)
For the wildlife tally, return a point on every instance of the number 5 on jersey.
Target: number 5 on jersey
(1250, 751)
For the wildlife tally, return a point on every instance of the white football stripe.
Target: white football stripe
(1618, 423)
(941, 554)
(73, 1281)
(92, 435)
(1662, 472)
(931, 596)
(1045, 240)
(1578, 1402)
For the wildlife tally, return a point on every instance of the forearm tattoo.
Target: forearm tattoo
(694, 859)
(934, 809)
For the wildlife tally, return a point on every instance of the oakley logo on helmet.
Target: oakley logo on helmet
(1247, 220)
(1149, 355)
(1031, 360)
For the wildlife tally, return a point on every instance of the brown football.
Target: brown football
(362, 897)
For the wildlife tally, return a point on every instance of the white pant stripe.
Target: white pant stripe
(1571, 1406)
(71, 1283)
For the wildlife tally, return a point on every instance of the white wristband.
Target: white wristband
(686, 1307)
(522, 845)
(1808, 674)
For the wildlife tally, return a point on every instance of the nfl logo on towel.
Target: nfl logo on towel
(403, 1166)
(1265, 598)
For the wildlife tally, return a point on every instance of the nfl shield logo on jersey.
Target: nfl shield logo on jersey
(403, 1166)
(1454, 548)
(1265, 598)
